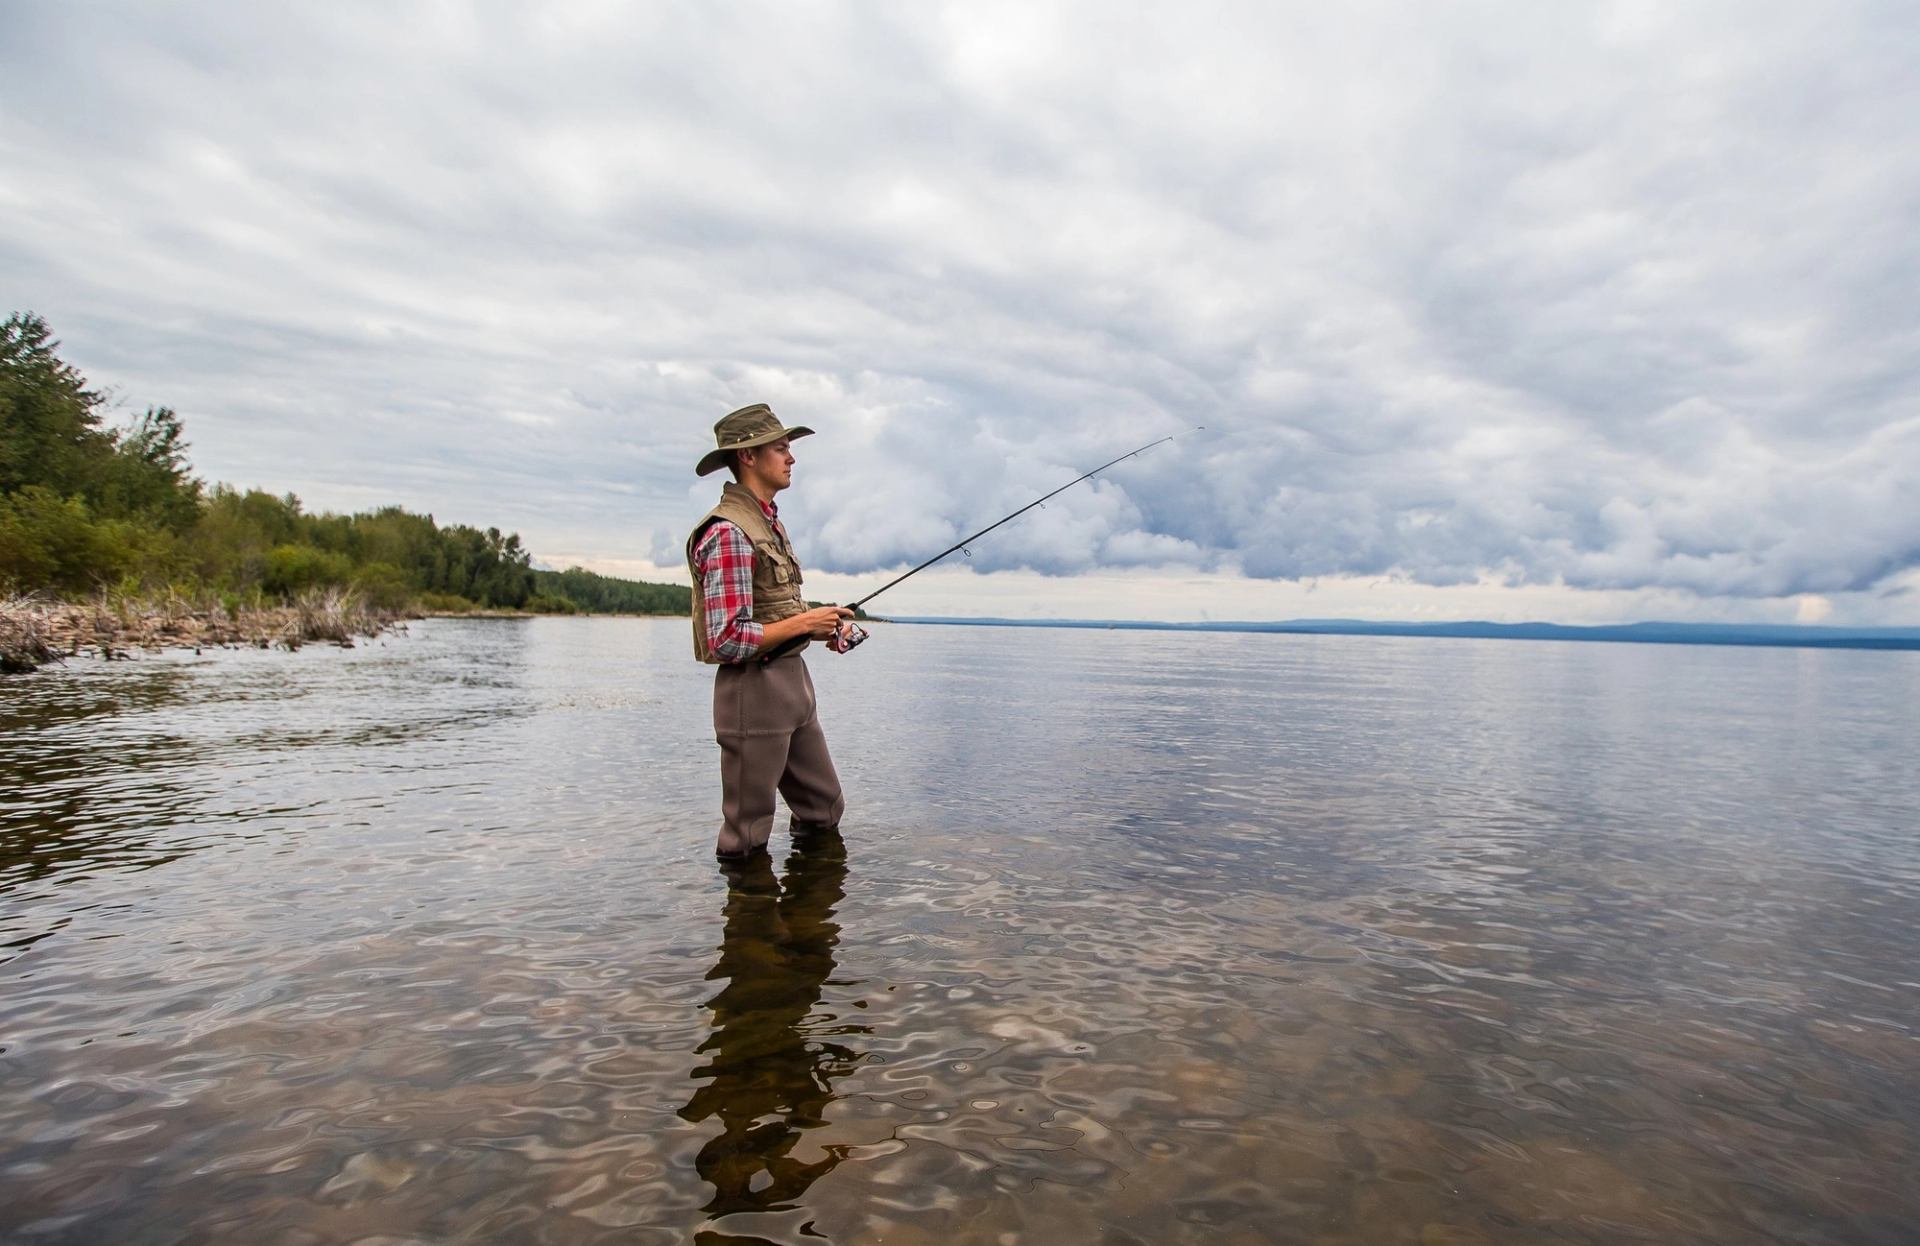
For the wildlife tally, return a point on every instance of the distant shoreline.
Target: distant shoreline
(1766, 635)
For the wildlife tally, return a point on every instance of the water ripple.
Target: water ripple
(1132, 937)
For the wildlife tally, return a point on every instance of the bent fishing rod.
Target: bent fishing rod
(790, 645)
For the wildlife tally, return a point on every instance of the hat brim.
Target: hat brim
(717, 459)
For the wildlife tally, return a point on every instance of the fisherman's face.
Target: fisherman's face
(770, 465)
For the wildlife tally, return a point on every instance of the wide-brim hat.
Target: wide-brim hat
(744, 429)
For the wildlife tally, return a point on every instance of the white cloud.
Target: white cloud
(1609, 298)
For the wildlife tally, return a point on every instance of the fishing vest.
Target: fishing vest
(776, 572)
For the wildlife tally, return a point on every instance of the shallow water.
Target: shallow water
(1131, 937)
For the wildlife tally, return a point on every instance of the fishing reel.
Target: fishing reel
(846, 637)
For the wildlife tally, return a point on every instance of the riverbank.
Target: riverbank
(37, 630)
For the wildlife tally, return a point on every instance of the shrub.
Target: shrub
(52, 542)
(292, 569)
(382, 586)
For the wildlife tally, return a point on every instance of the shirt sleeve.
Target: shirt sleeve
(725, 558)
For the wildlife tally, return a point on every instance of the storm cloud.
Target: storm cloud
(1612, 297)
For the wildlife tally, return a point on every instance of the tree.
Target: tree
(83, 507)
(147, 476)
(47, 541)
(50, 431)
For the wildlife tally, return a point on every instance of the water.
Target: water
(1131, 937)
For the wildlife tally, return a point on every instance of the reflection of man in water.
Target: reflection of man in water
(771, 1061)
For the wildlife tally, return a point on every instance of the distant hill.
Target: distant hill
(579, 590)
(605, 594)
(1778, 635)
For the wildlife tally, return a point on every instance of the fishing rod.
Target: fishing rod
(797, 641)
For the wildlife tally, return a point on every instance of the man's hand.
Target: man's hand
(823, 622)
(819, 623)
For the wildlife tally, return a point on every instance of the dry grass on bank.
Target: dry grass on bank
(35, 630)
(26, 639)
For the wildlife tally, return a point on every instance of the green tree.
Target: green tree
(50, 432)
(292, 569)
(146, 477)
(607, 595)
(486, 567)
(236, 531)
(47, 541)
(82, 507)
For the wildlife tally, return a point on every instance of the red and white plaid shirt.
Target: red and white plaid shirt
(725, 558)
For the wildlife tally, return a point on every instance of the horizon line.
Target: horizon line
(1789, 635)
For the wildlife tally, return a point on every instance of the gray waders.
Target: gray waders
(765, 718)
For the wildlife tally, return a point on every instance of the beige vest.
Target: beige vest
(776, 572)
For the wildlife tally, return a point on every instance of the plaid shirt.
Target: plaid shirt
(725, 558)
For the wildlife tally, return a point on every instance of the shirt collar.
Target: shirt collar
(769, 509)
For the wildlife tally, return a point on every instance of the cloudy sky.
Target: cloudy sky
(1560, 311)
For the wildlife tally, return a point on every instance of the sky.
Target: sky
(1571, 312)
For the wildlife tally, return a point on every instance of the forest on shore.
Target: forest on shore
(87, 509)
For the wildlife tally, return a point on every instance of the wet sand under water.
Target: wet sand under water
(1128, 938)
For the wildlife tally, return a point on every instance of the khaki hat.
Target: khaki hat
(742, 430)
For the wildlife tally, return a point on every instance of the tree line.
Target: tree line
(85, 507)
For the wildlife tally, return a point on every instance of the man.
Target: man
(747, 607)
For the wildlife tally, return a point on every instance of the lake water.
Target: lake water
(1129, 938)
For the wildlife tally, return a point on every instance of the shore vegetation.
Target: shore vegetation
(108, 540)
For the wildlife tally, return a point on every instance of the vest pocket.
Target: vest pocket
(780, 567)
